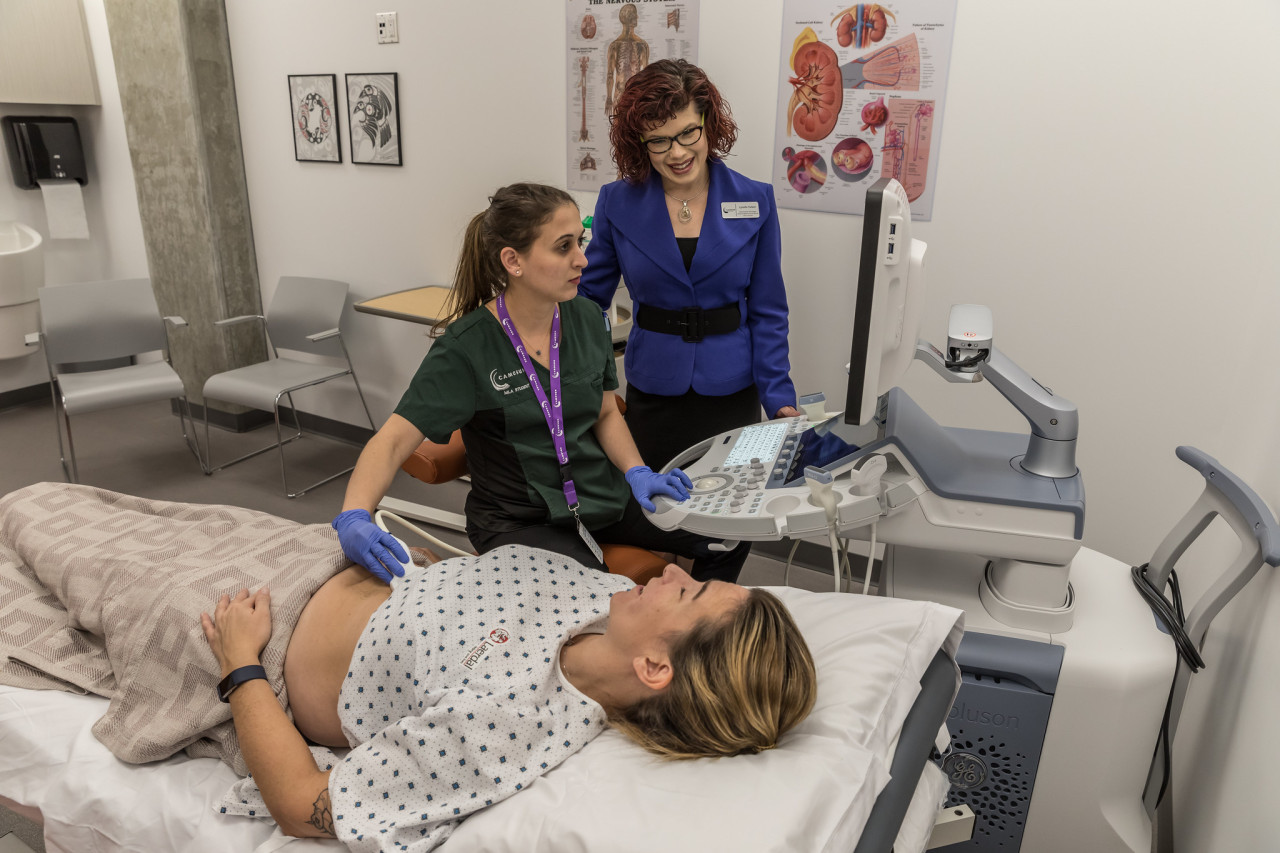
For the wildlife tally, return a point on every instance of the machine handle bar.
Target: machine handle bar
(1246, 501)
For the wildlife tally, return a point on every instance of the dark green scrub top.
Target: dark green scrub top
(472, 380)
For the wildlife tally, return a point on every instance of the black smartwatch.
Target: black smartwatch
(236, 677)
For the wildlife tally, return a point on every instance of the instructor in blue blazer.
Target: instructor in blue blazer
(700, 249)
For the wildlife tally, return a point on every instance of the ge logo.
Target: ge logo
(964, 770)
(499, 636)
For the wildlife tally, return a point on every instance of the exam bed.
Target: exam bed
(854, 776)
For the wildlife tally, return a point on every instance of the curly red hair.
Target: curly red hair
(653, 97)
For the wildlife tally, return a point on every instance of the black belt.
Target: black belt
(692, 324)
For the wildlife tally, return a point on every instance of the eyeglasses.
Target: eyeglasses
(686, 138)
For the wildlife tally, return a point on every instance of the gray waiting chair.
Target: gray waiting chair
(303, 318)
(106, 322)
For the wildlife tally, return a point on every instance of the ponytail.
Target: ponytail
(515, 216)
(476, 279)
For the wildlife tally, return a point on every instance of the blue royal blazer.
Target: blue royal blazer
(737, 260)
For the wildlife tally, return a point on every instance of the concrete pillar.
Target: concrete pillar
(173, 63)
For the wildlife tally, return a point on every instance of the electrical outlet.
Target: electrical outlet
(388, 28)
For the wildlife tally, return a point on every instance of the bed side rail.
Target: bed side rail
(938, 687)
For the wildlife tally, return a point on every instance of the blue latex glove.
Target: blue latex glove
(369, 545)
(645, 484)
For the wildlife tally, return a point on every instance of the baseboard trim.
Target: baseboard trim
(255, 418)
(22, 396)
(232, 421)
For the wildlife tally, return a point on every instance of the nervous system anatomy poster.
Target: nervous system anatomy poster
(608, 41)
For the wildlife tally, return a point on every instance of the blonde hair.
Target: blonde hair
(738, 685)
(514, 218)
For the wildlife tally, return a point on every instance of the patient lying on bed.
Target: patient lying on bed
(455, 687)
(464, 681)
(103, 592)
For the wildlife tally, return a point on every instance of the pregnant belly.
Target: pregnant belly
(321, 647)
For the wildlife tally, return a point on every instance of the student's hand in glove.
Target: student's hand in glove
(369, 545)
(645, 484)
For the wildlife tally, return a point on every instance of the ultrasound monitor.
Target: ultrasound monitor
(886, 317)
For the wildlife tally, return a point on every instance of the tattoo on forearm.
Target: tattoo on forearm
(322, 814)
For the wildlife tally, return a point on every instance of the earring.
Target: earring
(517, 272)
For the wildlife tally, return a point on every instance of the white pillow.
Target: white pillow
(814, 792)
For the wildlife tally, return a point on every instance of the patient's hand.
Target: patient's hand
(239, 628)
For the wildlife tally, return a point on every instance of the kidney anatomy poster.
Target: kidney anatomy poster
(860, 97)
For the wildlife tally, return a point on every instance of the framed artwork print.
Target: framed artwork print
(374, 129)
(313, 100)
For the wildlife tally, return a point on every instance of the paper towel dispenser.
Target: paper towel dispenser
(44, 148)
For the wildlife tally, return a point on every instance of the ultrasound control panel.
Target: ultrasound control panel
(757, 458)
(749, 483)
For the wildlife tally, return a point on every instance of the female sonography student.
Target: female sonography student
(700, 249)
(525, 368)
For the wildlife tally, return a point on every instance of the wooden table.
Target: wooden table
(417, 304)
(426, 305)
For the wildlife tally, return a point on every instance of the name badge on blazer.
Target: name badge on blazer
(740, 209)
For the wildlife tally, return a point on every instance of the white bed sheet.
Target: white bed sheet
(814, 793)
(91, 801)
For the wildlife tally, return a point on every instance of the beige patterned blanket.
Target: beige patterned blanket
(102, 592)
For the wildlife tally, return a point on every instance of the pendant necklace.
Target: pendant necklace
(685, 214)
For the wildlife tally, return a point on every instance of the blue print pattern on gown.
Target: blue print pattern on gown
(455, 693)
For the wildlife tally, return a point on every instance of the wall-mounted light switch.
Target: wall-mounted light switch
(388, 28)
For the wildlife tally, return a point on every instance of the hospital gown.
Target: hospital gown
(455, 694)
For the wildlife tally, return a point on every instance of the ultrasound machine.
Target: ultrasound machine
(1066, 674)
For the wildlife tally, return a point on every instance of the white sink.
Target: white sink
(21, 263)
(21, 276)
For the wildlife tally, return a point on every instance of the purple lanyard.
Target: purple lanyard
(551, 410)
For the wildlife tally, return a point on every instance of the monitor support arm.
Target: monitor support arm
(1055, 422)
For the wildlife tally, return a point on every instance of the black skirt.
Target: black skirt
(665, 426)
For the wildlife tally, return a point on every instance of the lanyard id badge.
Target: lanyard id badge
(552, 410)
(588, 539)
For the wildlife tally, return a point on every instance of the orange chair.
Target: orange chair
(440, 463)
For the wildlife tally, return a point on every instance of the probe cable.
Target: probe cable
(786, 571)
(1174, 620)
(871, 563)
(835, 554)
(382, 514)
(962, 363)
(1170, 615)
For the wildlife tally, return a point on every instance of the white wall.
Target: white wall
(115, 248)
(479, 108)
(1106, 189)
